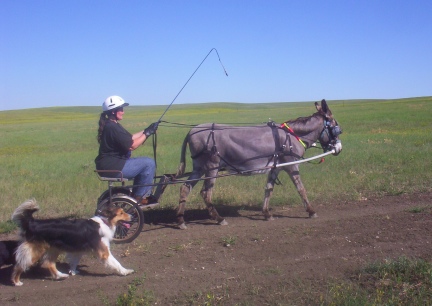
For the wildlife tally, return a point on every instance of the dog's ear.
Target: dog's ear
(108, 211)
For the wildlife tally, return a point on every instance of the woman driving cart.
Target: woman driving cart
(116, 145)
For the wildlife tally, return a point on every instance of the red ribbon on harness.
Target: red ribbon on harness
(290, 130)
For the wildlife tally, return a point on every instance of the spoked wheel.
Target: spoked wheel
(126, 231)
(124, 191)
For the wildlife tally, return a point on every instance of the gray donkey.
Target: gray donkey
(247, 150)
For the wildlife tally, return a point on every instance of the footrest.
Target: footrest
(148, 206)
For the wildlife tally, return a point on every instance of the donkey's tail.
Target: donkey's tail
(181, 168)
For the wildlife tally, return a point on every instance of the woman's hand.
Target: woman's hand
(151, 129)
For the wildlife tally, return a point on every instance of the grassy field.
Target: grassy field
(49, 153)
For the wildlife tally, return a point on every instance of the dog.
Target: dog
(7, 250)
(45, 240)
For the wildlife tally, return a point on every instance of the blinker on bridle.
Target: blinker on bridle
(335, 130)
(332, 132)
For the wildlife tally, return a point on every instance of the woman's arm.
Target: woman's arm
(137, 135)
(138, 139)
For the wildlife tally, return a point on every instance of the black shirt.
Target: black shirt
(114, 147)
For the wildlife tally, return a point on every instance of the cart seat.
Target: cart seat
(101, 176)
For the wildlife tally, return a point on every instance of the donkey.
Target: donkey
(247, 150)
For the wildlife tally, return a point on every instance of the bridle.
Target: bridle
(332, 132)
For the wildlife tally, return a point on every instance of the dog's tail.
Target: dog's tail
(24, 213)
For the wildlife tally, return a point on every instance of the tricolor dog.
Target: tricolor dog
(44, 240)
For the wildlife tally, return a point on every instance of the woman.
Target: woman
(116, 144)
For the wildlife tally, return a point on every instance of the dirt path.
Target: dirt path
(266, 262)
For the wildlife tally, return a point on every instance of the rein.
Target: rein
(279, 149)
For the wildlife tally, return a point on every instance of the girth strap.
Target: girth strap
(213, 149)
(279, 149)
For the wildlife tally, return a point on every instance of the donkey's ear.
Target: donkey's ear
(318, 107)
(324, 105)
(325, 108)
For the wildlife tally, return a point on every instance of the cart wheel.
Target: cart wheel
(126, 231)
(115, 191)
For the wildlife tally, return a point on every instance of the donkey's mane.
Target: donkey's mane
(303, 124)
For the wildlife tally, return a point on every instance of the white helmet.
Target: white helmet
(113, 102)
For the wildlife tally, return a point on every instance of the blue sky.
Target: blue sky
(76, 53)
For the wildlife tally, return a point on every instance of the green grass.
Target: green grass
(229, 240)
(418, 209)
(403, 281)
(49, 153)
(7, 226)
(136, 295)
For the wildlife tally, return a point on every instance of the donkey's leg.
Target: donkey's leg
(206, 193)
(295, 177)
(271, 178)
(185, 189)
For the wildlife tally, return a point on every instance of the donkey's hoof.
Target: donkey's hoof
(313, 215)
(182, 226)
(223, 222)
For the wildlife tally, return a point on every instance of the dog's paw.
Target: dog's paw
(18, 284)
(73, 272)
(60, 276)
(127, 271)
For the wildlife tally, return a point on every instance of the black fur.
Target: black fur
(7, 250)
(64, 234)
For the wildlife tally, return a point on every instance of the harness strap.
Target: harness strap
(278, 148)
(207, 145)
(214, 150)
(211, 135)
(291, 131)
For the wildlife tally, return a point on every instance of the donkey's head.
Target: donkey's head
(329, 137)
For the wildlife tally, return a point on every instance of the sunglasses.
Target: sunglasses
(120, 109)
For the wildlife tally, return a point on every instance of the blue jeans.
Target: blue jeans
(142, 170)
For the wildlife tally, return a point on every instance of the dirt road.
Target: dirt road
(248, 262)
